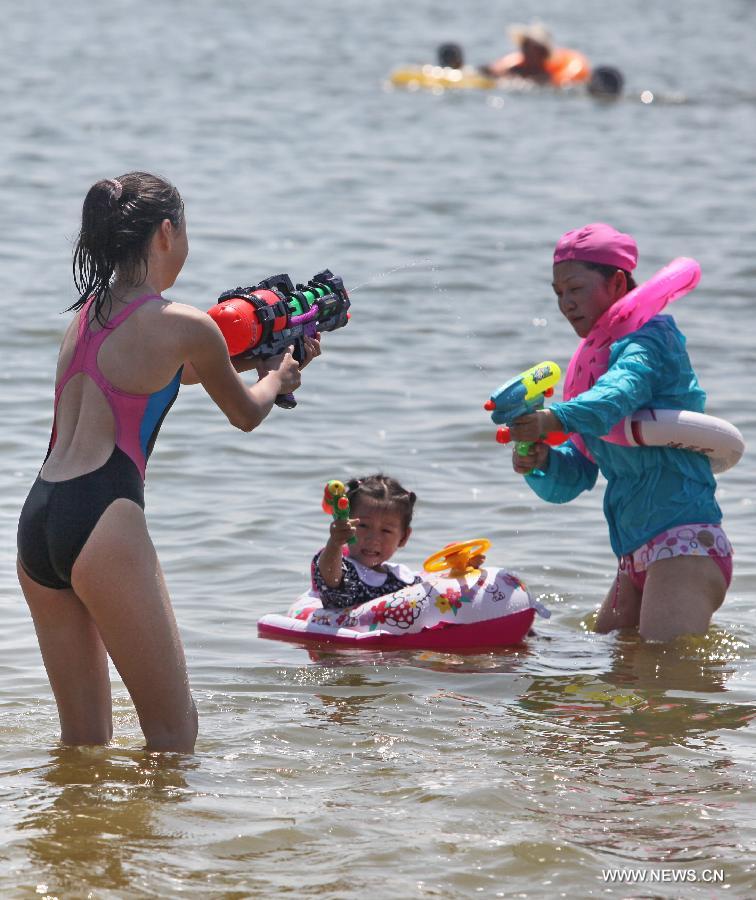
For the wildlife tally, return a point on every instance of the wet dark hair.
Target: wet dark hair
(451, 55)
(606, 82)
(384, 490)
(118, 219)
(608, 271)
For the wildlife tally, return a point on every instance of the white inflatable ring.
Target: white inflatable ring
(682, 429)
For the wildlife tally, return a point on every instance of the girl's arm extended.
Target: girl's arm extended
(330, 562)
(205, 356)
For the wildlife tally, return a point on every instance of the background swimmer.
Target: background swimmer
(535, 46)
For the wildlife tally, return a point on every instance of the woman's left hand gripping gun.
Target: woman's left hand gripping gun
(264, 319)
(336, 502)
(520, 396)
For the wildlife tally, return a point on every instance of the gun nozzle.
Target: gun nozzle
(490, 405)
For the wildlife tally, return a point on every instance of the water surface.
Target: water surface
(523, 773)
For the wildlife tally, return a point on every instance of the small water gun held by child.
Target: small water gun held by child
(263, 320)
(520, 396)
(336, 502)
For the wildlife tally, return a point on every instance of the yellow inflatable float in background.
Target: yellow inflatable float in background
(565, 67)
(441, 78)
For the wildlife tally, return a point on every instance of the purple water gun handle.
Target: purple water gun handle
(303, 318)
(288, 401)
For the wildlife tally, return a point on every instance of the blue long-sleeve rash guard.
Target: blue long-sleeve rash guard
(649, 489)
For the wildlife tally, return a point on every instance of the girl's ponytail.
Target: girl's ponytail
(118, 219)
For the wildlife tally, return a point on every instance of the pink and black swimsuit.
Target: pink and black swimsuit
(59, 516)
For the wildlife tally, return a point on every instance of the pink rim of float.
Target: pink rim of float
(467, 609)
(716, 438)
(507, 631)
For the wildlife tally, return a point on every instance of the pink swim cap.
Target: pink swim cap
(598, 243)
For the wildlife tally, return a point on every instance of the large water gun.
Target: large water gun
(336, 502)
(264, 319)
(522, 395)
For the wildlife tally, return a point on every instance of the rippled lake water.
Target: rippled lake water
(525, 773)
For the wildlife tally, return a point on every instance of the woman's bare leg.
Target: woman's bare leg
(680, 597)
(76, 662)
(621, 607)
(118, 578)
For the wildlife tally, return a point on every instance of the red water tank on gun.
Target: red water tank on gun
(243, 320)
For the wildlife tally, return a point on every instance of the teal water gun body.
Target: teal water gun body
(520, 396)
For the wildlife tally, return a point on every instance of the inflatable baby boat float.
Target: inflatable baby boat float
(455, 607)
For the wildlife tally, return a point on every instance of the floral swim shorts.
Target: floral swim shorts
(683, 540)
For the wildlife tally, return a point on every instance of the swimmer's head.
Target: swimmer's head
(598, 243)
(451, 56)
(534, 40)
(605, 83)
(592, 267)
(385, 491)
(383, 509)
(119, 218)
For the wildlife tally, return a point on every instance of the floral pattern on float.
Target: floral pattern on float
(436, 600)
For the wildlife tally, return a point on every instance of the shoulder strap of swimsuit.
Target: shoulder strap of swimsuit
(96, 339)
(79, 351)
(88, 343)
(131, 308)
(84, 318)
(85, 325)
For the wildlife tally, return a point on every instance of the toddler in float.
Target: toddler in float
(346, 574)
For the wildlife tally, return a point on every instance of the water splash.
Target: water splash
(422, 261)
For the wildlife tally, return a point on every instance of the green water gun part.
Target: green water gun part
(336, 502)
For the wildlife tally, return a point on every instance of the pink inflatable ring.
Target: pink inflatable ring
(679, 429)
